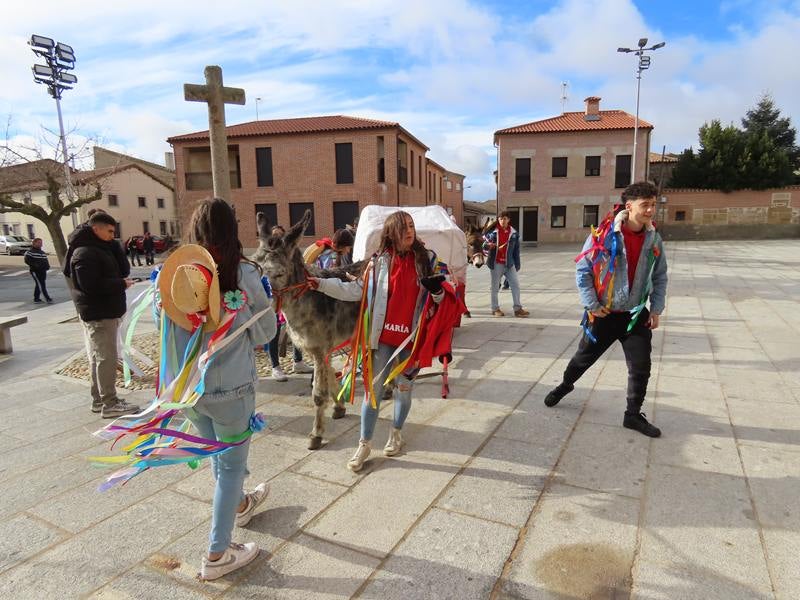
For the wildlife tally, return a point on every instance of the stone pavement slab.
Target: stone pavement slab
(494, 496)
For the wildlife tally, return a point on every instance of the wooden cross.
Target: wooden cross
(216, 96)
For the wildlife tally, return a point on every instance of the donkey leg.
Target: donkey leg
(339, 410)
(320, 394)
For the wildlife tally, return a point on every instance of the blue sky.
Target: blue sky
(451, 71)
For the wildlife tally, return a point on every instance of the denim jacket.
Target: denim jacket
(645, 282)
(512, 252)
(234, 367)
(379, 283)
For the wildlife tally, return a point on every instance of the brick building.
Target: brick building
(558, 176)
(333, 165)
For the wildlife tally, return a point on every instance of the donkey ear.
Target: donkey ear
(296, 231)
(263, 225)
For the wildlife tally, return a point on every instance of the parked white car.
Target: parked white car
(14, 244)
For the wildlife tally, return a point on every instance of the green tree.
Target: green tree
(720, 156)
(762, 164)
(687, 172)
(766, 118)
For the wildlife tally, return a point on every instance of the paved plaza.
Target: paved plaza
(495, 495)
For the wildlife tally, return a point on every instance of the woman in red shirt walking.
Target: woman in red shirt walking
(403, 273)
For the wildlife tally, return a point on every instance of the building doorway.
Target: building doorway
(530, 225)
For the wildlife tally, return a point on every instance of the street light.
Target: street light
(59, 59)
(642, 65)
(257, 101)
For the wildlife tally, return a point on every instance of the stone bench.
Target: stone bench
(6, 323)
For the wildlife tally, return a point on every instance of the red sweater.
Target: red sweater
(634, 240)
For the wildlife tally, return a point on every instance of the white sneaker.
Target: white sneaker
(278, 374)
(301, 367)
(394, 444)
(235, 557)
(360, 457)
(254, 498)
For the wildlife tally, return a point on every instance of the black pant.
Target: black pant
(135, 257)
(39, 280)
(635, 344)
(149, 257)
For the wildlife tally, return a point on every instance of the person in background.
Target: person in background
(37, 262)
(99, 294)
(148, 246)
(502, 242)
(340, 253)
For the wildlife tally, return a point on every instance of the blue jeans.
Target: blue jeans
(272, 348)
(402, 392)
(510, 272)
(218, 416)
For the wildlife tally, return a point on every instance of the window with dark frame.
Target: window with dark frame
(270, 211)
(559, 166)
(145, 226)
(113, 200)
(160, 204)
(264, 167)
(402, 162)
(680, 215)
(522, 179)
(117, 230)
(558, 217)
(381, 161)
(142, 202)
(162, 228)
(622, 171)
(412, 169)
(344, 213)
(419, 171)
(592, 166)
(296, 212)
(344, 163)
(591, 212)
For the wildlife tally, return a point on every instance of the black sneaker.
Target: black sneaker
(38, 300)
(555, 396)
(641, 424)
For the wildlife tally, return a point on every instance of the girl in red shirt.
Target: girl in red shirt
(402, 276)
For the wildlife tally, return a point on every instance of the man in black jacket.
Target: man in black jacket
(100, 298)
(37, 262)
(119, 253)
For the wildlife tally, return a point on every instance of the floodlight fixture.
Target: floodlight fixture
(42, 71)
(39, 41)
(657, 46)
(642, 42)
(59, 59)
(624, 50)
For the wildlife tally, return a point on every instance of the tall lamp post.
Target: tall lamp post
(257, 101)
(59, 60)
(643, 64)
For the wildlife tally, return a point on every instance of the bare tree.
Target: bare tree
(19, 173)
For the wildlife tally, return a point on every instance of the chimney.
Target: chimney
(592, 108)
(169, 160)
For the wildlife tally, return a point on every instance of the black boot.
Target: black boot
(640, 423)
(555, 396)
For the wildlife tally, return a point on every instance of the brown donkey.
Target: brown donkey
(317, 323)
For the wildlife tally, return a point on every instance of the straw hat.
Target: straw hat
(189, 285)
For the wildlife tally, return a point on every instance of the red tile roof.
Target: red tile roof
(655, 157)
(574, 121)
(294, 126)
